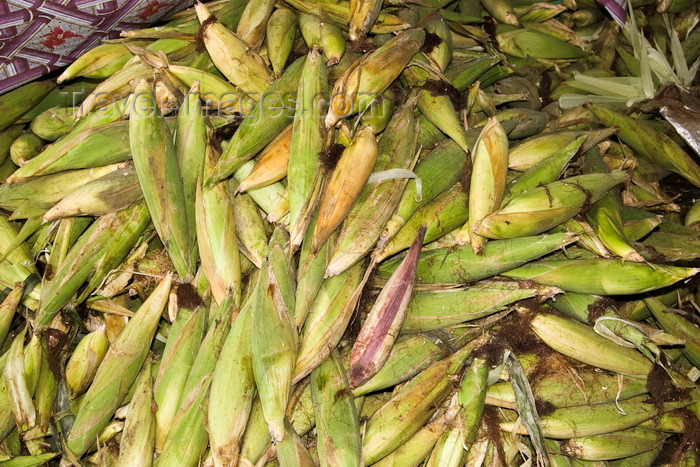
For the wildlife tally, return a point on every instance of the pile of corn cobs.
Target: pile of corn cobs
(333, 233)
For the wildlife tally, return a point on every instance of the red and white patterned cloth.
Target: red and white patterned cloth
(39, 36)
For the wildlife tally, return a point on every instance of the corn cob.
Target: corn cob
(19, 101)
(545, 207)
(181, 349)
(292, 451)
(272, 354)
(25, 148)
(100, 62)
(160, 178)
(377, 202)
(84, 362)
(337, 423)
(327, 320)
(241, 65)
(98, 250)
(602, 276)
(138, 436)
(272, 164)
(232, 397)
(252, 25)
(20, 385)
(614, 445)
(580, 342)
(378, 334)
(539, 45)
(216, 233)
(361, 83)
(7, 137)
(110, 193)
(488, 180)
(459, 264)
(591, 420)
(118, 371)
(310, 274)
(344, 185)
(265, 121)
(324, 34)
(441, 308)
(306, 145)
(281, 31)
(555, 388)
(538, 148)
(250, 227)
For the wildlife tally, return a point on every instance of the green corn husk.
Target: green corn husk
(250, 227)
(645, 459)
(215, 223)
(404, 414)
(364, 224)
(118, 371)
(98, 250)
(281, 31)
(650, 144)
(110, 193)
(35, 196)
(442, 308)
(471, 397)
(84, 362)
(184, 340)
(292, 450)
(488, 180)
(439, 217)
(138, 436)
(327, 320)
(233, 397)
(556, 388)
(601, 276)
(99, 62)
(241, 65)
(264, 122)
(19, 101)
(339, 12)
(19, 384)
(7, 137)
(190, 147)
(273, 344)
(31, 461)
(591, 420)
(381, 328)
(580, 342)
(437, 173)
(539, 45)
(605, 215)
(306, 145)
(544, 208)
(323, 34)
(546, 171)
(538, 148)
(614, 445)
(418, 447)
(370, 76)
(273, 199)
(25, 148)
(409, 355)
(160, 177)
(252, 24)
(678, 326)
(8, 308)
(450, 265)
(337, 422)
(310, 274)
